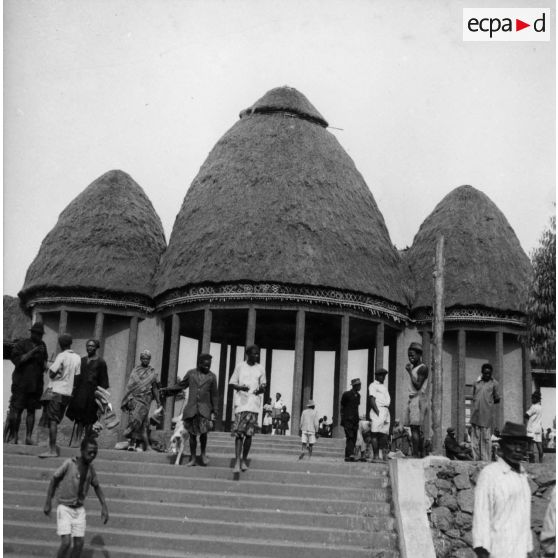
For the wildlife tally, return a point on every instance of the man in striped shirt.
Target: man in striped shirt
(502, 512)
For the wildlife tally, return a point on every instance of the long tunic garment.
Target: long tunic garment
(502, 512)
(83, 407)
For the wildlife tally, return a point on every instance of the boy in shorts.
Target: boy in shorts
(309, 425)
(74, 476)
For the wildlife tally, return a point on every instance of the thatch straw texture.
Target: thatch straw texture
(16, 323)
(109, 238)
(288, 100)
(278, 199)
(484, 262)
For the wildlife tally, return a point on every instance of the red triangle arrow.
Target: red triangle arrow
(519, 25)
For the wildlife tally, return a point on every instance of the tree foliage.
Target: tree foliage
(541, 300)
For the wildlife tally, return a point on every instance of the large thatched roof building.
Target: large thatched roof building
(279, 241)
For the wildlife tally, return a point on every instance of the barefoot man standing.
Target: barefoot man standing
(248, 380)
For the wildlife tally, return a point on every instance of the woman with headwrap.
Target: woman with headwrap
(83, 408)
(140, 392)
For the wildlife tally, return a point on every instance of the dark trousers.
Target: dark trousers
(350, 439)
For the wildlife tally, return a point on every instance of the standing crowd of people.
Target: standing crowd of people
(78, 388)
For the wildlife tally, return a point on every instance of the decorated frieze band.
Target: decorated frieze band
(283, 293)
(90, 298)
(481, 315)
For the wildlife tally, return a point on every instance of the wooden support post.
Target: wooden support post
(63, 322)
(427, 359)
(499, 374)
(379, 345)
(370, 377)
(206, 338)
(437, 374)
(222, 385)
(308, 372)
(228, 390)
(341, 366)
(268, 365)
(391, 379)
(298, 369)
(527, 378)
(98, 331)
(173, 367)
(251, 327)
(458, 384)
(36, 317)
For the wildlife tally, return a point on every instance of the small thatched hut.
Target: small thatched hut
(486, 273)
(93, 275)
(279, 233)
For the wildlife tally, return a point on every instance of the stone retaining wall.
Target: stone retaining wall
(449, 487)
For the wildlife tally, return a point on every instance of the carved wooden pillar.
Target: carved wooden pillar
(499, 374)
(308, 371)
(173, 367)
(228, 390)
(206, 337)
(98, 331)
(251, 327)
(527, 378)
(458, 385)
(63, 322)
(380, 345)
(298, 370)
(341, 376)
(222, 385)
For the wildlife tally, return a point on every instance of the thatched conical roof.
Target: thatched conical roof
(16, 323)
(109, 238)
(485, 265)
(279, 200)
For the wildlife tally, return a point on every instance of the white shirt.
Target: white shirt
(380, 393)
(502, 512)
(67, 365)
(534, 424)
(251, 376)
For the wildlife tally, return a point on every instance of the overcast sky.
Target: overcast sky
(149, 86)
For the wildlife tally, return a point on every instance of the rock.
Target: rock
(441, 518)
(443, 484)
(463, 553)
(430, 474)
(431, 490)
(545, 478)
(442, 546)
(463, 520)
(467, 538)
(447, 473)
(465, 499)
(449, 501)
(462, 481)
(453, 534)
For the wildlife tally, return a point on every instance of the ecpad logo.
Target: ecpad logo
(506, 24)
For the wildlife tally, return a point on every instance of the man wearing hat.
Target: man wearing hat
(350, 400)
(417, 404)
(455, 450)
(61, 373)
(309, 424)
(502, 509)
(29, 357)
(201, 408)
(379, 413)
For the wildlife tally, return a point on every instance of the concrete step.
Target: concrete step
(217, 513)
(233, 497)
(258, 543)
(127, 522)
(260, 462)
(24, 548)
(309, 477)
(188, 483)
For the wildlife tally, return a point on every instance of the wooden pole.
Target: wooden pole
(173, 367)
(437, 388)
(298, 370)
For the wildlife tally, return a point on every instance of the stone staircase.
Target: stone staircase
(318, 508)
